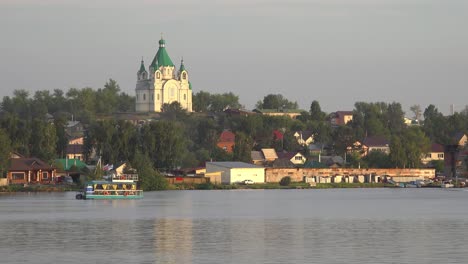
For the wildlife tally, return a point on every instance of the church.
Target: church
(163, 84)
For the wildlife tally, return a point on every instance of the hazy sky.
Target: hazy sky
(334, 51)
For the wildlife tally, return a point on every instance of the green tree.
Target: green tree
(242, 147)
(397, 152)
(150, 179)
(276, 101)
(316, 113)
(5, 151)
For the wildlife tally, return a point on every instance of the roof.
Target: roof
(306, 134)
(256, 155)
(142, 67)
(437, 147)
(278, 110)
(72, 123)
(277, 135)
(182, 67)
(74, 148)
(161, 58)
(233, 164)
(68, 163)
(227, 136)
(269, 153)
(23, 164)
(330, 160)
(376, 141)
(314, 164)
(287, 155)
(283, 163)
(343, 113)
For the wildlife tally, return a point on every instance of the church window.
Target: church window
(158, 75)
(144, 97)
(185, 97)
(184, 75)
(157, 96)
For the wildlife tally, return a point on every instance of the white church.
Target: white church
(163, 85)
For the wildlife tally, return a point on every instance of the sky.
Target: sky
(337, 52)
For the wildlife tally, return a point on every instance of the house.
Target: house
(30, 171)
(369, 144)
(269, 154)
(236, 172)
(436, 153)
(304, 138)
(295, 158)
(292, 113)
(69, 167)
(332, 161)
(257, 157)
(460, 139)
(226, 141)
(75, 151)
(340, 118)
(74, 129)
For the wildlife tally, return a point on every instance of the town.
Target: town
(170, 136)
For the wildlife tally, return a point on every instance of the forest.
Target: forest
(33, 124)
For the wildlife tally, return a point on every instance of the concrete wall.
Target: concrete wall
(298, 174)
(187, 180)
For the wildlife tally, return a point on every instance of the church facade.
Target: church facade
(162, 84)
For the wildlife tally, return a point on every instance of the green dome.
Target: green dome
(161, 58)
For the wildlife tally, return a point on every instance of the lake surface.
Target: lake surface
(238, 226)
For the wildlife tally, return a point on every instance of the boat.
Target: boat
(116, 187)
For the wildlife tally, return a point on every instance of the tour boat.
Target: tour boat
(117, 187)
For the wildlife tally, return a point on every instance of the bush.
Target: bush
(285, 181)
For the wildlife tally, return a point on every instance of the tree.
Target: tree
(242, 147)
(285, 181)
(5, 151)
(397, 152)
(276, 101)
(316, 113)
(150, 179)
(416, 143)
(416, 109)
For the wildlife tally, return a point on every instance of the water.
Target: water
(245, 226)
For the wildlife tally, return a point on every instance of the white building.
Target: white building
(236, 172)
(163, 85)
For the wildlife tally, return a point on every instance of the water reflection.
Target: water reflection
(237, 227)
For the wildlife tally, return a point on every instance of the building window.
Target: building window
(17, 176)
(428, 156)
(137, 97)
(45, 175)
(298, 158)
(158, 75)
(185, 97)
(440, 156)
(144, 97)
(184, 75)
(152, 97)
(157, 96)
(172, 92)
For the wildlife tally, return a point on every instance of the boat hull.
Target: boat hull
(112, 197)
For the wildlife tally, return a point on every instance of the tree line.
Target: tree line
(35, 126)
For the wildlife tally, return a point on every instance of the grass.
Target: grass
(38, 188)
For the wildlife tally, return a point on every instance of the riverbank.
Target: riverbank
(268, 186)
(38, 188)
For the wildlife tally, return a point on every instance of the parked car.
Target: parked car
(246, 182)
